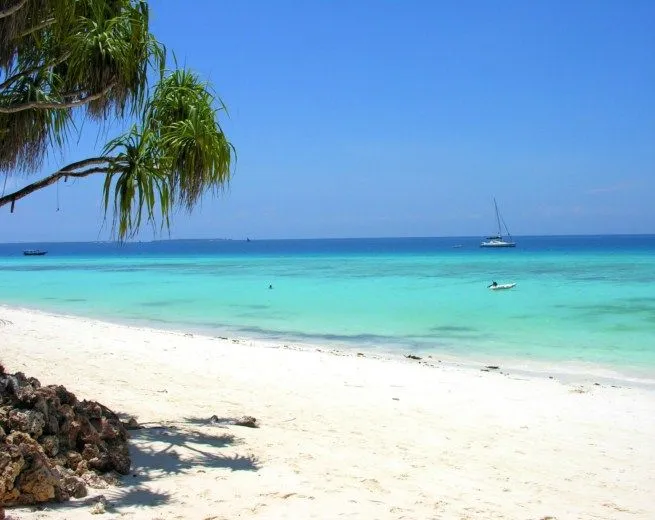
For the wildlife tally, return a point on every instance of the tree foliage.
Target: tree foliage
(61, 60)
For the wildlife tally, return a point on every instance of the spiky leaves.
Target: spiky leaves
(198, 156)
(139, 186)
(56, 55)
(111, 49)
(94, 56)
(25, 135)
(178, 153)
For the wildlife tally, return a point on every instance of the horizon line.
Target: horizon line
(246, 239)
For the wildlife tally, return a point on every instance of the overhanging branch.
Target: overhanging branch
(38, 27)
(29, 71)
(45, 105)
(11, 10)
(72, 170)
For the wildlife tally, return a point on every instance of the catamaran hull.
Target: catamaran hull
(498, 244)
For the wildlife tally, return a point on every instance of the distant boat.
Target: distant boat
(34, 252)
(497, 240)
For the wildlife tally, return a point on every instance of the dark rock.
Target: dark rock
(28, 421)
(90, 452)
(247, 421)
(35, 478)
(74, 486)
(11, 464)
(93, 480)
(49, 441)
(131, 424)
(119, 460)
(412, 356)
(492, 367)
(50, 444)
(73, 459)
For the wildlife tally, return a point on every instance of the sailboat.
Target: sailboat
(497, 240)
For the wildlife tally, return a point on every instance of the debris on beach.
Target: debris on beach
(247, 420)
(412, 356)
(52, 445)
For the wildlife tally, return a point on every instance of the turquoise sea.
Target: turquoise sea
(584, 301)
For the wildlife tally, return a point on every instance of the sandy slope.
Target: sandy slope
(341, 436)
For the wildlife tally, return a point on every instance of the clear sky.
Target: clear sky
(404, 118)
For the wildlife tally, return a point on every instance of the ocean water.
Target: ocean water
(585, 301)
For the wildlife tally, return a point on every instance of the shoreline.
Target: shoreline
(356, 436)
(581, 372)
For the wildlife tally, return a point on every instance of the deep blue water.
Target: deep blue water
(358, 246)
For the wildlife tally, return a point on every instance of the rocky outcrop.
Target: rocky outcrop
(51, 444)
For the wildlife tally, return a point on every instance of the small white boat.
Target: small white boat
(501, 286)
(497, 240)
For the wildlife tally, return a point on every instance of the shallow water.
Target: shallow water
(587, 300)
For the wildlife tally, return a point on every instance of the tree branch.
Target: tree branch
(45, 105)
(87, 172)
(11, 10)
(66, 171)
(38, 27)
(29, 71)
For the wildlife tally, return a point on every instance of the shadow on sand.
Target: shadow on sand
(181, 448)
(190, 446)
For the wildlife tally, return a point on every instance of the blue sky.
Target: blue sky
(389, 118)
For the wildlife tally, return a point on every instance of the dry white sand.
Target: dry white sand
(341, 436)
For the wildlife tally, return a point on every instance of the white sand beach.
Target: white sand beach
(340, 436)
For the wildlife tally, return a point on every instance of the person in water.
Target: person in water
(493, 284)
(270, 286)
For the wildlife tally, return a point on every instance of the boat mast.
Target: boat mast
(500, 234)
(506, 228)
